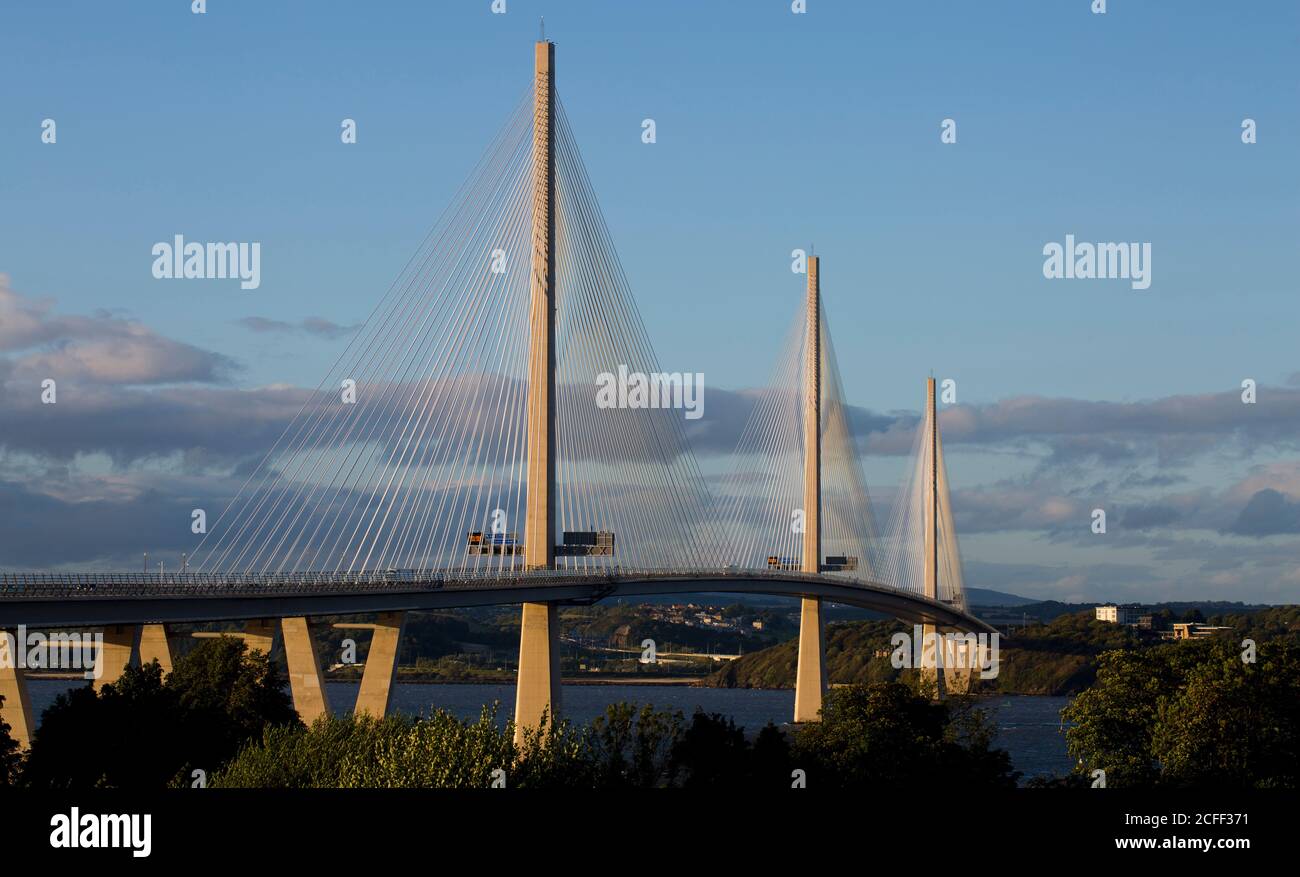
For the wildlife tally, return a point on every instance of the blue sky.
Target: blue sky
(774, 130)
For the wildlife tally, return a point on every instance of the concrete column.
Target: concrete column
(155, 646)
(381, 663)
(17, 707)
(305, 678)
(958, 667)
(538, 684)
(810, 681)
(259, 636)
(115, 653)
(537, 690)
(932, 661)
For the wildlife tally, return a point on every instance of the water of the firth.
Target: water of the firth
(1028, 727)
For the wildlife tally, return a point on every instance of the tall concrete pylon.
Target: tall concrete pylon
(810, 679)
(932, 653)
(961, 656)
(537, 689)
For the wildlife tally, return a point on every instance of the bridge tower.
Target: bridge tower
(931, 661)
(810, 680)
(946, 665)
(537, 690)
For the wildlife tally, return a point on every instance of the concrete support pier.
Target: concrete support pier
(932, 662)
(306, 681)
(16, 710)
(958, 667)
(259, 635)
(116, 653)
(810, 681)
(537, 691)
(154, 646)
(381, 663)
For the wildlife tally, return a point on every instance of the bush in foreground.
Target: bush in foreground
(881, 735)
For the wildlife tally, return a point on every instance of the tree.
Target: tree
(11, 758)
(886, 735)
(712, 752)
(874, 736)
(227, 695)
(1113, 719)
(631, 748)
(142, 732)
(770, 759)
(126, 736)
(1192, 714)
(1233, 724)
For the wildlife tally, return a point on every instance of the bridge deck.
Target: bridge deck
(38, 599)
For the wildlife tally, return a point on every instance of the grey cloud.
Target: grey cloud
(130, 425)
(100, 349)
(1147, 516)
(318, 326)
(111, 529)
(105, 350)
(1169, 431)
(1017, 505)
(1267, 513)
(1137, 480)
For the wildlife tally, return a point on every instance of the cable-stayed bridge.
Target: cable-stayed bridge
(459, 453)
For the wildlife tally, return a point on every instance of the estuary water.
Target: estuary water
(1028, 727)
